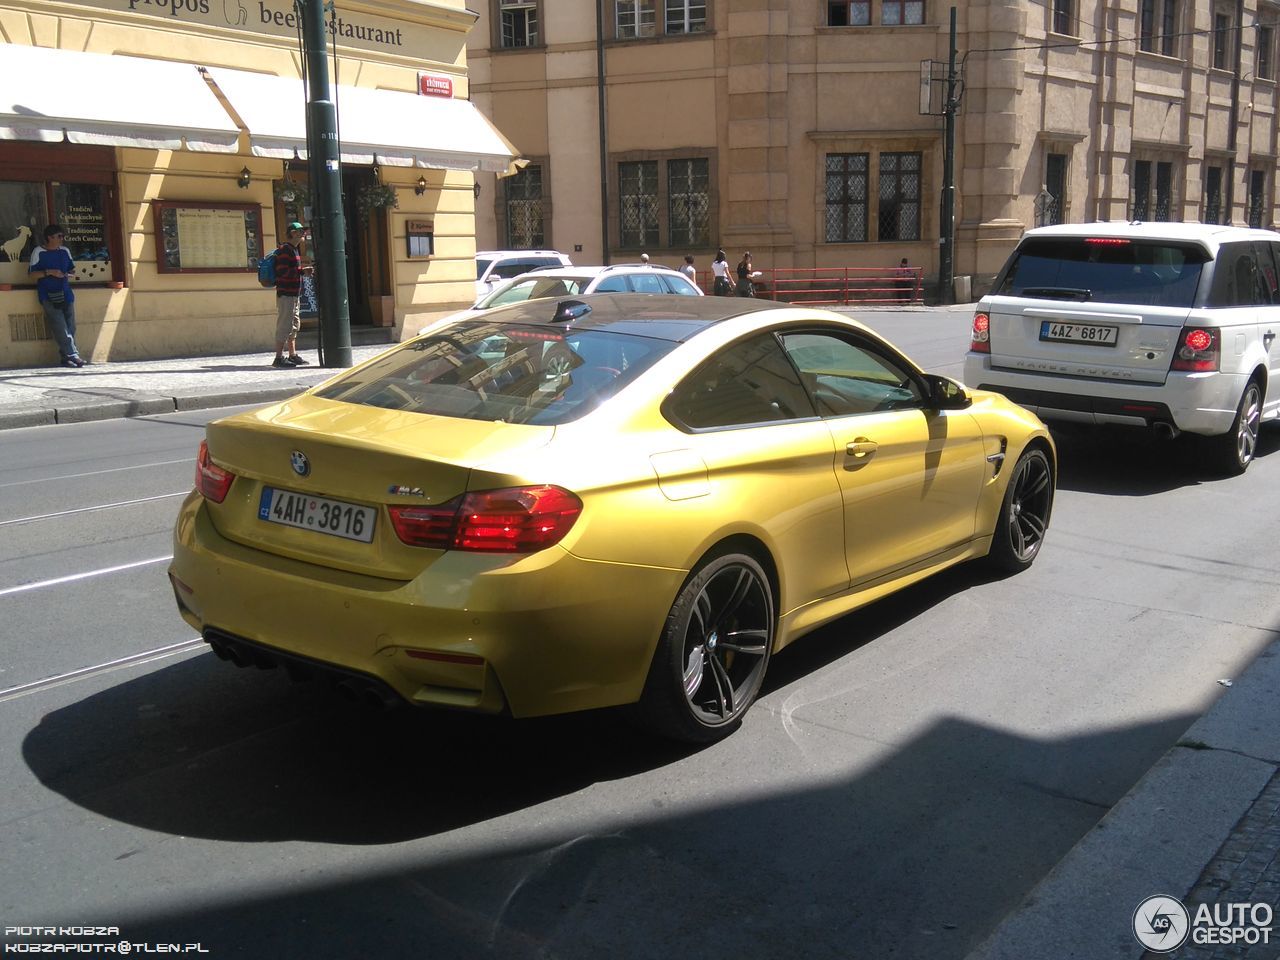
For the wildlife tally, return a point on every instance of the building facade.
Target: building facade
(803, 131)
(168, 138)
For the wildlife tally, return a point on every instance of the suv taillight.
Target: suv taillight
(1199, 350)
(980, 338)
(211, 480)
(512, 520)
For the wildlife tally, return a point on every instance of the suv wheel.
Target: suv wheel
(1234, 450)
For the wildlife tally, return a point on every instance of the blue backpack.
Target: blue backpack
(267, 269)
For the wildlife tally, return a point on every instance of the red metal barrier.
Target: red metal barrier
(836, 285)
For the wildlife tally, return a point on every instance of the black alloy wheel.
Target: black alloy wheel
(713, 653)
(1236, 448)
(1024, 515)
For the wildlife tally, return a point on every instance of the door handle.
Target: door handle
(861, 448)
(1267, 338)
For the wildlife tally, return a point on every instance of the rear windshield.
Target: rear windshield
(1108, 270)
(535, 288)
(507, 372)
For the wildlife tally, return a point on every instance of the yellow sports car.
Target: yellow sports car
(620, 499)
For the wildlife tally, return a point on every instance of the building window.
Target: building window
(688, 202)
(638, 197)
(1143, 209)
(1062, 18)
(1213, 195)
(1055, 181)
(636, 18)
(847, 197)
(895, 13)
(899, 195)
(1266, 48)
(849, 13)
(1158, 36)
(525, 213)
(518, 23)
(1258, 201)
(686, 16)
(1221, 40)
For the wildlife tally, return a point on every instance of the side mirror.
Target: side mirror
(945, 393)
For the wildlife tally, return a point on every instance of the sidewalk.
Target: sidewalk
(45, 395)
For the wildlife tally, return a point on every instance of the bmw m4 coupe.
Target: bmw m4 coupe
(618, 499)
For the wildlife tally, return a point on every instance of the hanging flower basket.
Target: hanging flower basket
(293, 192)
(376, 196)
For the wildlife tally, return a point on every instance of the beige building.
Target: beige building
(167, 137)
(794, 129)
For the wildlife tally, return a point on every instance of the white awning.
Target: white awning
(46, 93)
(403, 129)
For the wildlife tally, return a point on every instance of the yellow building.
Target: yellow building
(167, 137)
(798, 130)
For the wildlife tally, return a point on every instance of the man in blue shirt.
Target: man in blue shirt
(53, 267)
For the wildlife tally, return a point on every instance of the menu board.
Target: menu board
(207, 237)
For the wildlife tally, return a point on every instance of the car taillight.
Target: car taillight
(211, 480)
(980, 338)
(511, 520)
(1199, 350)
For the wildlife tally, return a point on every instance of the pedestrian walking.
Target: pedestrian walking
(644, 258)
(53, 267)
(906, 281)
(721, 285)
(745, 275)
(289, 271)
(689, 270)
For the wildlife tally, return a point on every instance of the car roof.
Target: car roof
(661, 316)
(553, 272)
(1210, 234)
(516, 254)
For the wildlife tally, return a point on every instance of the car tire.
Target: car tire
(1024, 514)
(1233, 451)
(713, 653)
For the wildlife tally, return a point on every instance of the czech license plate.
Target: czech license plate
(1097, 334)
(320, 514)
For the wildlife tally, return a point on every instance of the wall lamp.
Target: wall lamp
(421, 186)
(476, 191)
(243, 180)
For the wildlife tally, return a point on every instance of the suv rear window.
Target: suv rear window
(1106, 269)
(516, 373)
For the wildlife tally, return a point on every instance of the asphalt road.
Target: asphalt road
(909, 774)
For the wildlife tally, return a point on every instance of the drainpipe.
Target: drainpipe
(1234, 120)
(605, 255)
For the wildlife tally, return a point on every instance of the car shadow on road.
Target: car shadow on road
(1137, 463)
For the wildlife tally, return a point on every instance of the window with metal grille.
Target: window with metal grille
(519, 23)
(894, 13)
(637, 18)
(1141, 190)
(1055, 181)
(849, 13)
(1147, 25)
(686, 16)
(1169, 28)
(1062, 18)
(1221, 40)
(525, 230)
(1213, 195)
(847, 197)
(1164, 191)
(638, 203)
(899, 196)
(688, 202)
(1266, 48)
(1257, 197)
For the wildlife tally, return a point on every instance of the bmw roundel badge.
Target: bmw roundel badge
(301, 465)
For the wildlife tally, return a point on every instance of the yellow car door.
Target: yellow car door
(909, 475)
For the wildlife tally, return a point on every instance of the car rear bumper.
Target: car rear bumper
(536, 634)
(1202, 403)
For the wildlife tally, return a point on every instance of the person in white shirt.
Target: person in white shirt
(688, 269)
(721, 286)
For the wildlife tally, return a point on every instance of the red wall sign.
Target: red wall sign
(434, 85)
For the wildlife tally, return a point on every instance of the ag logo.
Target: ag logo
(1161, 924)
(301, 465)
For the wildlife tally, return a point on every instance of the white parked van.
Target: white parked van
(1164, 325)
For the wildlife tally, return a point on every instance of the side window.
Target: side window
(1268, 289)
(612, 285)
(679, 285)
(646, 283)
(747, 383)
(1236, 281)
(513, 268)
(847, 378)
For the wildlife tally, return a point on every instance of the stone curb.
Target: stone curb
(1159, 837)
(141, 406)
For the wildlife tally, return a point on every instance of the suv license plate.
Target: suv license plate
(1094, 334)
(348, 520)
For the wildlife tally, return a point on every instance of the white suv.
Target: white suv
(495, 266)
(1163, 325)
